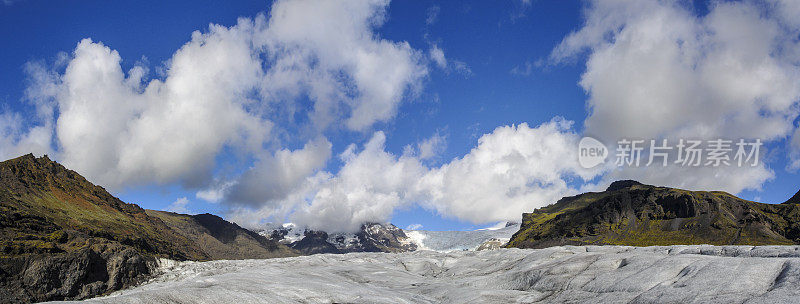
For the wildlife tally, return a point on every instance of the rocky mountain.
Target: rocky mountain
(219, 239)
(448, 241)
(61, 237)
(372, 237)
(630, 213)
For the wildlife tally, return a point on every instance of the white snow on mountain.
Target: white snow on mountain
(446, 241)
(443, 241)
(605, 274)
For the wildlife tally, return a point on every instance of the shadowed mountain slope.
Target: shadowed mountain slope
(220, 239)
(630, 213)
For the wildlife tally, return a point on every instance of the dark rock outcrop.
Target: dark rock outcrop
(622, 184)
(315, 242)
(372, 237)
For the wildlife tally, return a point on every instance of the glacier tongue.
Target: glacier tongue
(676, 274)
(447, 241)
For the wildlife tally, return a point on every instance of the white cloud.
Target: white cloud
(512, 170)
(179, 206)
(428, 148)
(462, 68)
(414, 227)
(15, 137)
(312, 55)
(275, 176)
(432, 15)
(656, 70)
(14, 142)
(794, 150)
(432, 146)
(117, 131)
(522, 70)
(370, 185)
(437, 55)
(215, 193)
(228, 87)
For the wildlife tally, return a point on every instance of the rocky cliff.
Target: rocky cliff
(630, 213)
(372, 237)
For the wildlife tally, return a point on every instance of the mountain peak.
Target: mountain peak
(622, 184)
(633, 215)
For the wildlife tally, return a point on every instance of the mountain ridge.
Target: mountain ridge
(371, 237)
(64, 238)
(634, 214)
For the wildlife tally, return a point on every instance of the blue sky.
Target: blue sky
(500, 71)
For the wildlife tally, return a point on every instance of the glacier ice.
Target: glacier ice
(447, 241)
(672, 274)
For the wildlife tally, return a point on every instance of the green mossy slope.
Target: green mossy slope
(633, 214)
(64, 238)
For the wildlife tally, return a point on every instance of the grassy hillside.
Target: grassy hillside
(633, 214)
(62, 237)
(45, 208)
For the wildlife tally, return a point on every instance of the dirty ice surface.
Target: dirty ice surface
(611, 274)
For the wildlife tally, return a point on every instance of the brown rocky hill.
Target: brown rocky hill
(219, 239)
(630, 213)
(61, 237)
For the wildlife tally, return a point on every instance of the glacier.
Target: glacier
(447, 241)
(591, 274)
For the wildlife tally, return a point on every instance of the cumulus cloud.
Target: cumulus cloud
(794, 151)
(432, 146)
(117, 131)
(512, 170)
(656, 70)
(275, 176)
(227, 87)
(216, 192)
(179, 206)
(311, 56)
(428, 148)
